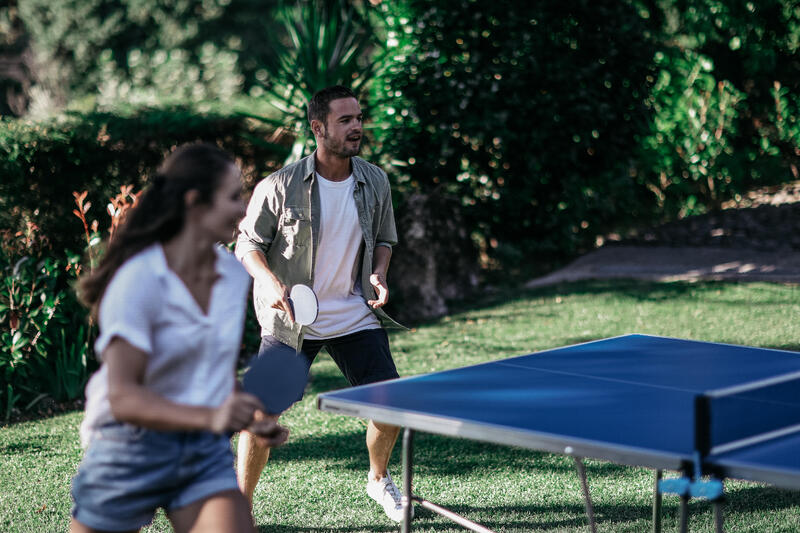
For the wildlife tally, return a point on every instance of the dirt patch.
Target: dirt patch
(686, 263)
(756, 238)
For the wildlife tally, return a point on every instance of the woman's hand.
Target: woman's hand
(267, 431)
(235, 413)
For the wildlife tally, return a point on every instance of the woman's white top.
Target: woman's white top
(191, 355)
(342, 308)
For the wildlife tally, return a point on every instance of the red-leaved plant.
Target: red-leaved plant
(117, 207)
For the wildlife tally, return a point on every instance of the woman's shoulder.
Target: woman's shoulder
(145, 264)
(135, 285)
(140, 272)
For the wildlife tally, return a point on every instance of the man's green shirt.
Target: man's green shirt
(282, 222)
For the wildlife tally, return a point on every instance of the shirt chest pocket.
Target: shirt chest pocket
(295, 228)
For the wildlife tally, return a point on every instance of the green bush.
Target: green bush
(45, 342)
(527, 111)
(42, 163)
(556, 122)
(689, 160)
(210, 49)
(161, 76)
(724, 103)
(46, 337)
(323, 43)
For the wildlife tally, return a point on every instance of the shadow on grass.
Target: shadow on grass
(444, 457)
(787, 347)
(527, 517)
(757, 498)
(556, 516)
(505, 517)
(520, 518)
(277, 528)
(436, 455)
(36, 445)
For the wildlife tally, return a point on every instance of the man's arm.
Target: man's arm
(274, 291)
(258, 227)
(256, 232)
(380, 266)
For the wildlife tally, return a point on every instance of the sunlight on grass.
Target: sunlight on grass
(315, 483)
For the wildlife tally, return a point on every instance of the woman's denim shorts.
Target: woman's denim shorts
(129, 472)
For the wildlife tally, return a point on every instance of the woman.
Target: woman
(171, 304)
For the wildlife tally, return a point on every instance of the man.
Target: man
(326, 221)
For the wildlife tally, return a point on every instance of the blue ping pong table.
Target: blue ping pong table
(711, 411)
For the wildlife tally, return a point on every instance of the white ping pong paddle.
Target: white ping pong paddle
(304, 304)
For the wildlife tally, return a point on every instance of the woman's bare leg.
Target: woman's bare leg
(224, 512)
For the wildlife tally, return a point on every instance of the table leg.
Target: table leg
(718, 517)
(684, 524)
(586, 496)
(408, 452)
(657, 503)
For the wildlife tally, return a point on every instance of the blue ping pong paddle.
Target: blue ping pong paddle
(277, 379)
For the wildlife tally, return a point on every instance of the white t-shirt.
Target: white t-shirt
(191, 356)
(342, 308)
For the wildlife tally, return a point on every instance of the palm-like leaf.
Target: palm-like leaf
(327, 42)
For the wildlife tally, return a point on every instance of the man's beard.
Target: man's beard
(340, 149)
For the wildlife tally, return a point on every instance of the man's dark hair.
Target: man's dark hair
(319, 106)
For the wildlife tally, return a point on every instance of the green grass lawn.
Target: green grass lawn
(315, 483)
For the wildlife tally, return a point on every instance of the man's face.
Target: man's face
(341, 133)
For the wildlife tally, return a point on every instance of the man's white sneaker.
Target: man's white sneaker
(386, 493)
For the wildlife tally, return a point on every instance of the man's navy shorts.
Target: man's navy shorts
(363, 357)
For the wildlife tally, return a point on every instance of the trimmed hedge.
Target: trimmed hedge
(42, 163)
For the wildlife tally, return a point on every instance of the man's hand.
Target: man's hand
(378, 281)
(272, 289)
(277, 295)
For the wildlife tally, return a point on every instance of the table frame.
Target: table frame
(532, 439)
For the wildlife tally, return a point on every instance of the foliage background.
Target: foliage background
(558, 123)
(546, 128)
(525, 111)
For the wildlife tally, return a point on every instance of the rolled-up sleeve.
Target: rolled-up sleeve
(129, 308)
(257, 228)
